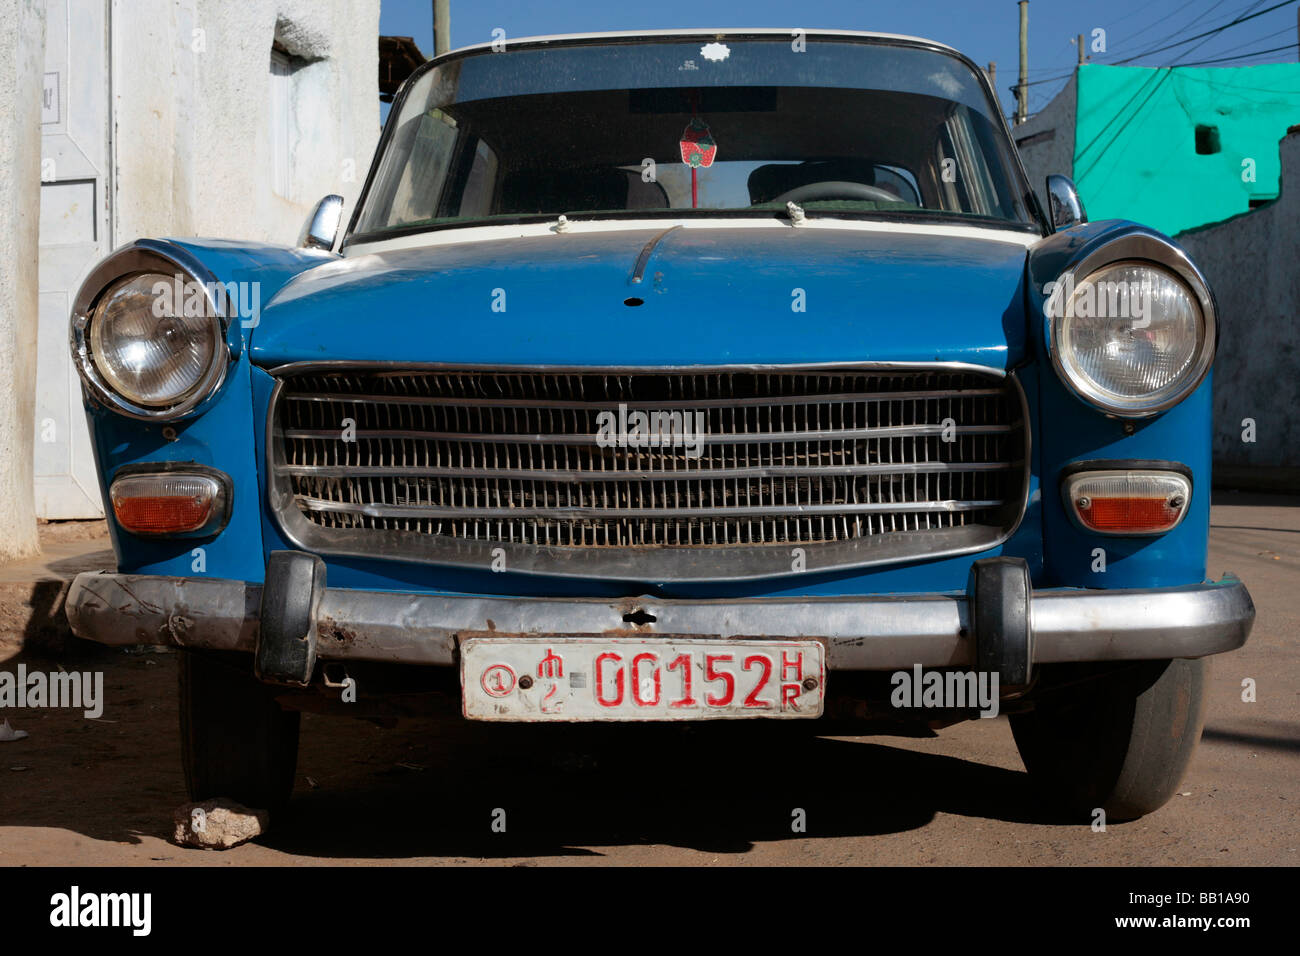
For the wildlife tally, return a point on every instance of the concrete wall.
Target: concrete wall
(1046, 140)
(163, 127)
(1252, 262)
(192, 89)
(22, 50)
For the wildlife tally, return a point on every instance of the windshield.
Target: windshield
(637, 128)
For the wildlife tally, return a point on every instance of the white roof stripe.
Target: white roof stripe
(701, 33)
(444, 237)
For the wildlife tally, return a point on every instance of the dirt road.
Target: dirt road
(89, 792)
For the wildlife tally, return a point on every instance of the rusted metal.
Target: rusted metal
(859, 633)
(329, 629)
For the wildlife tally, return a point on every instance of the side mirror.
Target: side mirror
(1065, 206)
(323, 226)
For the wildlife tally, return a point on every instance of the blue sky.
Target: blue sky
(983, 29)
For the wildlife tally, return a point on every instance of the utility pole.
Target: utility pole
(1022, 89)
(1082, 55)
(992, 74)
(441, 27)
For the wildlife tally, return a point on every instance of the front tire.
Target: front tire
(236, 741)
(1120, 742)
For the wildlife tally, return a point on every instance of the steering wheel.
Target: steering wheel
(836, 190)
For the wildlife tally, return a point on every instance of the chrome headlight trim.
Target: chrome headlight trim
(1159, 254)
(148, 256)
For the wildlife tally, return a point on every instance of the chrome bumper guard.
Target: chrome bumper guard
(860, 633)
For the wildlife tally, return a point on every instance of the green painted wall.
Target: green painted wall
(1135, 140)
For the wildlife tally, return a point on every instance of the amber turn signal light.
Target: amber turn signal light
(1127, 502)
(168, 503)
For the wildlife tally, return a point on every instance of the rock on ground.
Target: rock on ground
(217, 824)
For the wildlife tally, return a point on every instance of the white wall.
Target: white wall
(164, 128)
(22, 50)
(192, 88)
(76, 173)
(1250, 262)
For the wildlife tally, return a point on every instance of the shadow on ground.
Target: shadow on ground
(429, 788)
(713, 790)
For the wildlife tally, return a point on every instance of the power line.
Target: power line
(1119, 132)
(1141, 32)
(1079, 154)
(1061, 76)
(1251, 42)
(1243, 17)
(1051, 79)
(1197, 20)
(1243, 56)
(1235, 87)
(1163, 19)
(1191, 50)
(1219, 29)
(1165, 73)
(1135, 13)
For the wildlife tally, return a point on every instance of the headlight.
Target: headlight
(147, 352)
(152, 347)
(1132, 337)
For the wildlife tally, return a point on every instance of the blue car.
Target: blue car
(672, 377)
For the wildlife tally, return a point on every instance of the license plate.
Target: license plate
(578, 678)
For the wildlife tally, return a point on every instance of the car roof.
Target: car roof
(697, 33)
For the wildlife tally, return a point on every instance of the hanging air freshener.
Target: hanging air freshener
(698, 147)
(698, 150)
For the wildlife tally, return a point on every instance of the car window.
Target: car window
(413, 183)
(848, 128)
(480, 184)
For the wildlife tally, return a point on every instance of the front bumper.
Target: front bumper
(859, 633)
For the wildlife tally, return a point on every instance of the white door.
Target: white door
(74, 228)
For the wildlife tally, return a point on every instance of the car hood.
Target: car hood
(755, 293)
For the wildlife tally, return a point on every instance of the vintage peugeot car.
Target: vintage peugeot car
(669, 377)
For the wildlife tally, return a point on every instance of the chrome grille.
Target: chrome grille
(403, 460)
